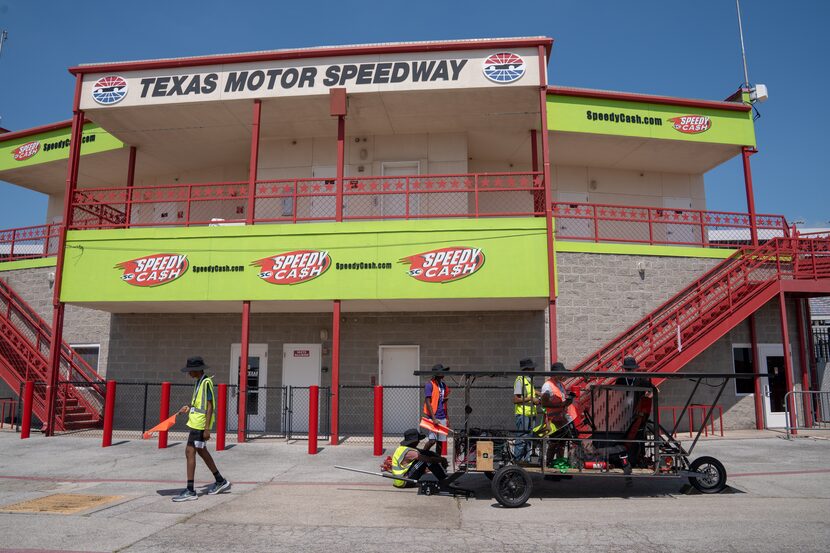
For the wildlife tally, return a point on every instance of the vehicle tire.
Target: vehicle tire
(714, 480)
(511, 486)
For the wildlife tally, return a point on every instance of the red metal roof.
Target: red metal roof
(319, 52)
(650, 98)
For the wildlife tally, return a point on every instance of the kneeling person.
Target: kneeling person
(410, 462)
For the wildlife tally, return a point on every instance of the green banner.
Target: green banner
(647, 120)
(485, 258)
(53, 146)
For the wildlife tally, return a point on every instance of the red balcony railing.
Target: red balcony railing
(667, 226)
(308, 200)
(29, 242)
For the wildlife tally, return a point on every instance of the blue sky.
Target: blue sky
(687, 49)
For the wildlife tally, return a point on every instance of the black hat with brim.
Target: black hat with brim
(527, 363)
(438, 367)
(194, 364)
(412, 437)
(630, 363)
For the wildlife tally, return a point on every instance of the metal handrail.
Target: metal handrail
(819, 411)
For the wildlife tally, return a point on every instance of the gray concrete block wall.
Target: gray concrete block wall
(601, 295)
(81, 325)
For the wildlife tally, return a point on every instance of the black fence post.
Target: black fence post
(144, 414)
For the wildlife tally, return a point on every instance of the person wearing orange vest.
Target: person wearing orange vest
(559, 407)
(435, 405)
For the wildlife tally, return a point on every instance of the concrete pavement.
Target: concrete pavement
(286, 500)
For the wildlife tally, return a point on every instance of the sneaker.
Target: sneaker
(219, 487)
(186, 495)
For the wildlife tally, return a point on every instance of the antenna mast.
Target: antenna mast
(743, 50)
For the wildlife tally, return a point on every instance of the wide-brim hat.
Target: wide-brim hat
(438, 367)
(412, 436)
(527, 363)
(558, 366)
(194, 364)
(630, 363)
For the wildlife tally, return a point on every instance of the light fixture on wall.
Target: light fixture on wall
(641, 268)
(364, 153)
(324, 334)
(593, 184)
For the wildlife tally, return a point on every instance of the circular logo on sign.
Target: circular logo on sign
(504, 67)
(109, 90)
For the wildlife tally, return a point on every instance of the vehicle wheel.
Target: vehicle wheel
(511, 486)
(714, 475)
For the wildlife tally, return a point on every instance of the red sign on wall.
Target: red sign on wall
(293, 267)
(153, 270)
(445, 264)
(691, 124)
(25, 151)
(302, 353)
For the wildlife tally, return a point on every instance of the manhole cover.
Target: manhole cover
(60, 503)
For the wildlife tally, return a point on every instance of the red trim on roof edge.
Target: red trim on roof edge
(36, 130)
(668, 100)
(314, 53)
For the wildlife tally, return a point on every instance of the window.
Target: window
(89, 353)
(742, 359)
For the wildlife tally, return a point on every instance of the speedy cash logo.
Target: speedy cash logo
(691, 124)
(293, 267)
(25, 151)
(445, 264)
(153, 270)
(109, 90)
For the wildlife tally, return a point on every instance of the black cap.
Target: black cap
(439, 367)
(557, 366)
(527, 363)
(194, 364)
(412, 437)
(630, 363)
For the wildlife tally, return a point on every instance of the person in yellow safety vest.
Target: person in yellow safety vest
(410, 462)
(200, 420)
(525, 400)
(435, 405)
(560, 413)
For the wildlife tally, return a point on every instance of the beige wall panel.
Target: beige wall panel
(285, 153)
(402, 147)
(570, 179)
(324, 151)
(697, 186)
(676, 185)
(625, 182)
(447, 147)
(624, 199)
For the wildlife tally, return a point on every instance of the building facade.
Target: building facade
(344, 216)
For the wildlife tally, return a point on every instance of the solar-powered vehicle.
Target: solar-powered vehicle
(620, 434)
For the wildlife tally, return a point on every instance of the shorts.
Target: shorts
(195, 436)
(435, 436)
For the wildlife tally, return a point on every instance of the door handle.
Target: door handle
(766, 391)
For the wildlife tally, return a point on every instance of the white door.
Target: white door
(678, 233)
(774, 388)
(257, 378)
(321, 206)
(395, 204)
(570, 225)
(301, 364)
(401, 406)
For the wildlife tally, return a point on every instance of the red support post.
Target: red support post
(109, 411)
(313, 417)
(746, 151)
(802, 358)
(53, 368)
(164, 412)
(221, 415)
(444, 448)
(254, 163)
(335, 374)
(543, 113)
(26, 423)
(130, 182)
(242, 395)
(378, 421)
(756, 365)
(338, 107)
(788, 361)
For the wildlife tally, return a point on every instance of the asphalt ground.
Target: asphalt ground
(286, 500)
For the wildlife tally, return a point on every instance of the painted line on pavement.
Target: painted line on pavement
(154, 481)
(782, 473)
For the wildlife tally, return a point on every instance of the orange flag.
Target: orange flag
(161, 427)
(434, 426)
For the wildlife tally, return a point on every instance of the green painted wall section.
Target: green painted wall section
(54, 146)
(28, 264)
(571, 114)
(638, 249)
(514, 252)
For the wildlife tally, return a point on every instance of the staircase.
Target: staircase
(24, 355)
(679, 330)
